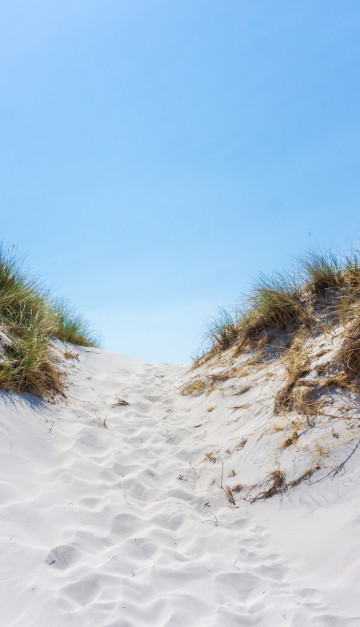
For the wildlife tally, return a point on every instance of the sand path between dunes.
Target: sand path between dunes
(101, 527)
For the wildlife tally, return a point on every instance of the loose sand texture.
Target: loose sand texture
(140, 500)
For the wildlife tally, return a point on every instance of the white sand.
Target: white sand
(110, 516)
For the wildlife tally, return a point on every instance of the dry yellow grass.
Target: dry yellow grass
(292, 439)
(195, 387)
(209, 457)
(278, 427)
(71, 355)
(278, 485)
(229, 493)
(120, 403)
(349, 353)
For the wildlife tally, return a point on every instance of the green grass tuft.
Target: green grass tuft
(71, 327)
(323, 272)
(223, 331)
(275, 304)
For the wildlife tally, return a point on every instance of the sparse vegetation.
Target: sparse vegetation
(276, 483)
(229, 494)
(71, 355)
(292, 439)
(210, 457)
(29, 320)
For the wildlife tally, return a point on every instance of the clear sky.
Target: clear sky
(156, 155)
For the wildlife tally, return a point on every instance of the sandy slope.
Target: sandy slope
(113, 516)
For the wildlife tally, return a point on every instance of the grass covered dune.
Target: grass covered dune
(29, 319)
(325, 290)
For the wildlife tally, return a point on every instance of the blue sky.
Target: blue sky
(157, 155)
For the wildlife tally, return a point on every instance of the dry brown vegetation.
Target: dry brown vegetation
(120, 402)
(229, 493)
(209, 457)
(195, 387)
(297, 365)
(277, 483)
(71, 355)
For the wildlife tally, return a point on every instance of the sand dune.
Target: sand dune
(116, 514)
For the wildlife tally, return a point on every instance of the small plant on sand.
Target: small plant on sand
(276, 483)
(229, 494)
(210, 457)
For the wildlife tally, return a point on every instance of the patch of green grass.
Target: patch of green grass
(322, 272)
(71, 327)
(223, 331)
(275, 304)
(29, 319)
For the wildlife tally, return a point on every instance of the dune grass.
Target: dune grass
(322, 272)
(29, 320)
(275, 304)
(223, 330)
(72, 327)
(287, 302)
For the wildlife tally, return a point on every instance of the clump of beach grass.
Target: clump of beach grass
(71, 327)
(323, 272)
(223, 331)
(275, 304)
(29, 320)
(283, 303)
